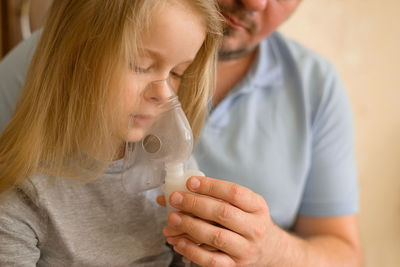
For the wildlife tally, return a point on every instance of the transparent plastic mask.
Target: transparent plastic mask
(167, 138)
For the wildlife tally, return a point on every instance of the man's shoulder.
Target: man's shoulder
(296, 54)
(311, 74)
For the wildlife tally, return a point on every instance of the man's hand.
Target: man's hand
(229, 225)
(235, 222)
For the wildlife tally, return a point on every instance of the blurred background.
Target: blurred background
(362, 38)
(17, 19)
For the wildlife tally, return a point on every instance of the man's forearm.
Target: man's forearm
(321, 250)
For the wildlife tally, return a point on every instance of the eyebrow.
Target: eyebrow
(153, 53)
(158, 55)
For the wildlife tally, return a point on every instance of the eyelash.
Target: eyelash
(176, 75)
(138, 69)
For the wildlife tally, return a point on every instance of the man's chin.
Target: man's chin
(232, 51)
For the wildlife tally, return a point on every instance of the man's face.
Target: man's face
(250, 21)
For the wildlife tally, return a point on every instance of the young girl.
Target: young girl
(85, 80)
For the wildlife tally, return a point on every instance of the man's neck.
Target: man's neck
(230, 73)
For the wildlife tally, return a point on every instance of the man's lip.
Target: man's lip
(234, 22)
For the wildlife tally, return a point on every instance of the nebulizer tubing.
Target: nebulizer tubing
(166, 144)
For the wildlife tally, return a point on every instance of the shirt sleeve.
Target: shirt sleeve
(20, 230)
(331, 187)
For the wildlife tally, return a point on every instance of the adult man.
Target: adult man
(281, 126)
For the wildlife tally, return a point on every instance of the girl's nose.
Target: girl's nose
(158, 92)
(255, 5)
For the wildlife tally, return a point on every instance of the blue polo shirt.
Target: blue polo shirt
(286, 132)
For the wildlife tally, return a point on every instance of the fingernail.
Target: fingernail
(175, 219)
(176, 198)
(194, 183)
(165, 231)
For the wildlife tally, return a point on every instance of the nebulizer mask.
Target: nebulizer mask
(165, 145)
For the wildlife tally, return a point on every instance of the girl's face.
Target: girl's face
(175, 35)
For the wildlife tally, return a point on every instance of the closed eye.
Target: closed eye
(139, 69)
(176, 75)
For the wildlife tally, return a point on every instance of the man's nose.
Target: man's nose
(158, 92)
(255, 5)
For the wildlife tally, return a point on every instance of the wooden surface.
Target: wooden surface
(12, 27)
(10, 20)
(1, 30)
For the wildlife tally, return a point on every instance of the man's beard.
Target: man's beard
(227, 53)
(237, 10)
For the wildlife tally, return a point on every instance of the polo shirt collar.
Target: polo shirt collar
(265, 71)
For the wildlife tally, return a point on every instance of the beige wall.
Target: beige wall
(362, 38)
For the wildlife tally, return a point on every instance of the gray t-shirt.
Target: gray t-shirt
(63, 222)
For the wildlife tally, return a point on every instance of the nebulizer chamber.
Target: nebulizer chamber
(166, 145)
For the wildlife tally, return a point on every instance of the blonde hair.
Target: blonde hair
(63, 110)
